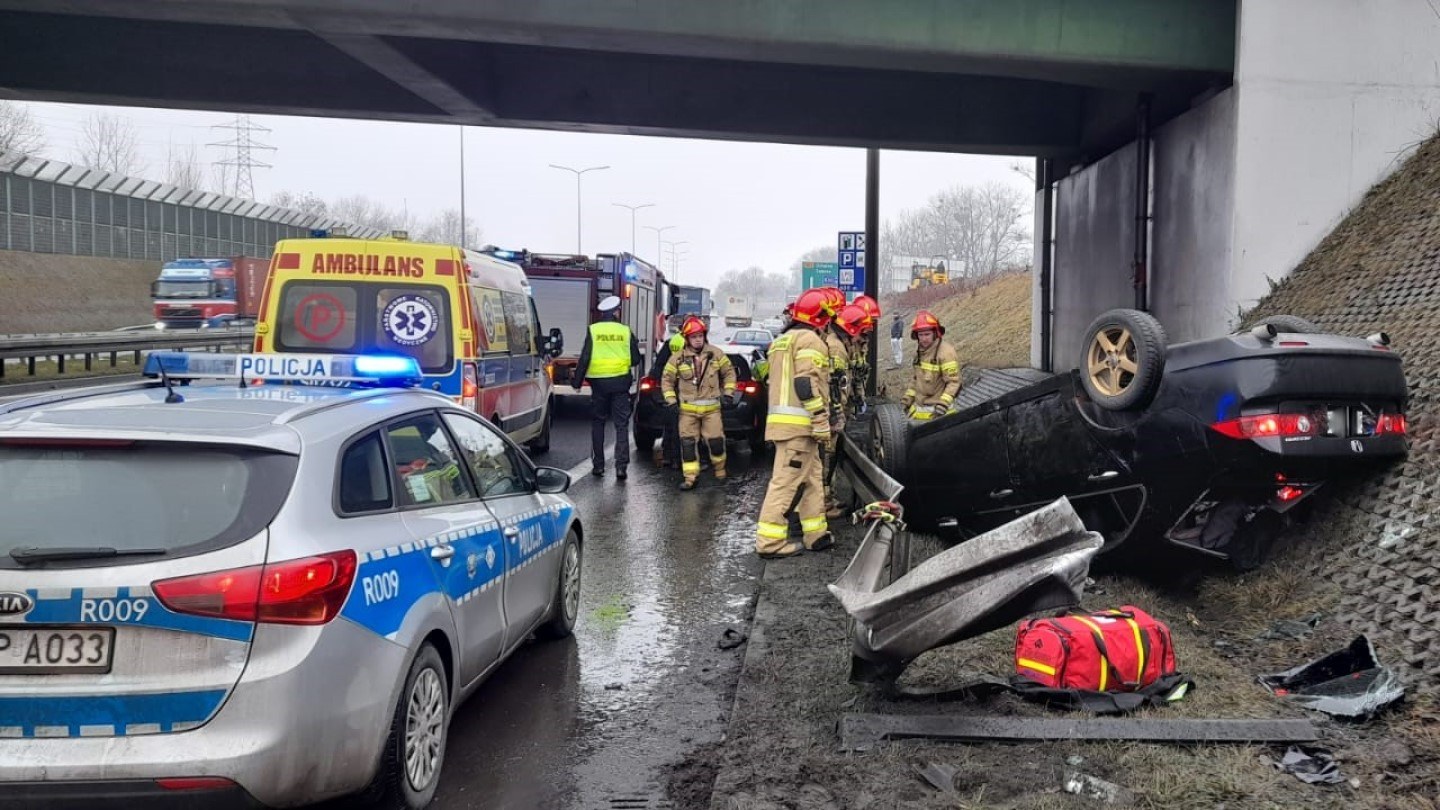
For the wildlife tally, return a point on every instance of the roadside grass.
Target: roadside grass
(50, 293)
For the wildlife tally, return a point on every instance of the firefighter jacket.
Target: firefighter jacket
(799, 386)
(697, 380)
(937, 376)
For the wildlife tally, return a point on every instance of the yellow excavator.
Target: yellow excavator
(924, 275)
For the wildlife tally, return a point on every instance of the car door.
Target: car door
(527, 369)
(443, 512)
(1053, 452)
(528, 524)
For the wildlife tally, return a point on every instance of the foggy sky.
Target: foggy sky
(734, 204)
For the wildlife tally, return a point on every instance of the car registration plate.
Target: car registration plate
(55, 649)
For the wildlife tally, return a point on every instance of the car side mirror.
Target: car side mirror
(550, 481)
(555, 343)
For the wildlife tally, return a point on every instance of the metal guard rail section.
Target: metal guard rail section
(88, 345)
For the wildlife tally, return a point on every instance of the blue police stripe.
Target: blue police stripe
(413, 580)
(69, 611)
(118, 711)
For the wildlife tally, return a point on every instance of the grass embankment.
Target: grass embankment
(43, 293)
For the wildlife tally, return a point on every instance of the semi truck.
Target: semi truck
(208, 293)
(738, 311)
(568, 289)
(692, 301)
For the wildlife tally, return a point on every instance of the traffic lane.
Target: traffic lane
(610, 717)
(570, 434)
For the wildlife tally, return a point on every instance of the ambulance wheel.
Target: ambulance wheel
(565, 605)
(415, 750)
(541, 444)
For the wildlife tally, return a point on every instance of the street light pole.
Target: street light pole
(659, 232)
(675, 257)
(633, 209)
(578, 172)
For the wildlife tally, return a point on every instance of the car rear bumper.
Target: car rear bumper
(99, 795)
(739, 420)
(303, 724)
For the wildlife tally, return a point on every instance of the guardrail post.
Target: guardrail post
(31, 360)
(60, 362)
(137, 357)
(113, 358)
(87, 361)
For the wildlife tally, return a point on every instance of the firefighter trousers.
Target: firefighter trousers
(694, 429)
(795, 485)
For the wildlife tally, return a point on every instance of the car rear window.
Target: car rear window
(360, 317)
(183, 498)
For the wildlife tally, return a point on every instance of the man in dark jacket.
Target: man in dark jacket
(897, 340)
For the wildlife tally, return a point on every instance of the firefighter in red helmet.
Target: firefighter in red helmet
(798, 423)
(937, 370)
(694, 381)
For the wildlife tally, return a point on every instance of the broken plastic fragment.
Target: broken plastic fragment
(1349, 683)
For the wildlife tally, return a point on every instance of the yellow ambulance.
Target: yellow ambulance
(467, 317)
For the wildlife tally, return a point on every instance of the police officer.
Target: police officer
(799, 420)
(610, 351)
(937, 370)
(695, 379)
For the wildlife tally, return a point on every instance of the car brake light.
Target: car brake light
(749, 387)
(1269, 425)
(1390, 424)
(1288, 493)
(196, 783)
(470, 387)
(1293, 343)
(310, 590)
(647, 384)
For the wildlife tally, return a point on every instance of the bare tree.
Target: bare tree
(979, 230)
(444, 228)
(20, 133)
(183, 168)
(306, 203)
(109, 143)
(357, 209)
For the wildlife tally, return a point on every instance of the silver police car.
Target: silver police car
(224, 593)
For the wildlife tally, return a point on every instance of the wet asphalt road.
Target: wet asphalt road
(598, 722)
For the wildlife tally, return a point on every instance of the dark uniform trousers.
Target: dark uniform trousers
(610, 401)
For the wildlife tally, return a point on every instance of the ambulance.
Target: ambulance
(468, 318)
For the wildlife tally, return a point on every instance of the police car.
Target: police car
(268, 588)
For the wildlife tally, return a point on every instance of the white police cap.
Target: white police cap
(610, 302)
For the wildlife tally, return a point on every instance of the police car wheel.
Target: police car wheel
(415, 749)
(565, 605)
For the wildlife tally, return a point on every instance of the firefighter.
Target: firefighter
(798, 422)
(860, 350)
(838, 350)
(937, 370)
(695, 379)
(610, 351)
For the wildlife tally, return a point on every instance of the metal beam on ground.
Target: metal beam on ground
(859, 732)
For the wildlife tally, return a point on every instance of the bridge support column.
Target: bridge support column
(1141, 264)
(872, 252)
(1045, 179)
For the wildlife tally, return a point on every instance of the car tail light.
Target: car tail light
(750, 387)
(1288, 493)
(196, 783)
(1293, 343)
(1390, 424)
(647, 384)
(310, 590)
(470, 387)
(1268, 425)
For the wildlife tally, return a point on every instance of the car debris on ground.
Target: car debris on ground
(1348, 683)
(1313, 766)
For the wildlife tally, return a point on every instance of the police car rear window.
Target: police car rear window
(357, 318)
(175, 497)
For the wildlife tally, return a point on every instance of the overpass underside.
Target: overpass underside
(1054, 78)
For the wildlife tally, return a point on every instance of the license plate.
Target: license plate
(55, 650)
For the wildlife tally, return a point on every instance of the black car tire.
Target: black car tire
(645, 438)
(1142, 342)
(565, 604)
(540, 445)
(890, 438)
(391, 787)
(1290, 323)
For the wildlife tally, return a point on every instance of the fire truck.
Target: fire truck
(568, 289)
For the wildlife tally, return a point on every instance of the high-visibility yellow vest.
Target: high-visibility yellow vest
(609, 350)
(677, 342)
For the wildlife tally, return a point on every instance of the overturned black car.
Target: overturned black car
(1208, 444)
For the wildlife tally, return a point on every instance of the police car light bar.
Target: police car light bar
(302, 368)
